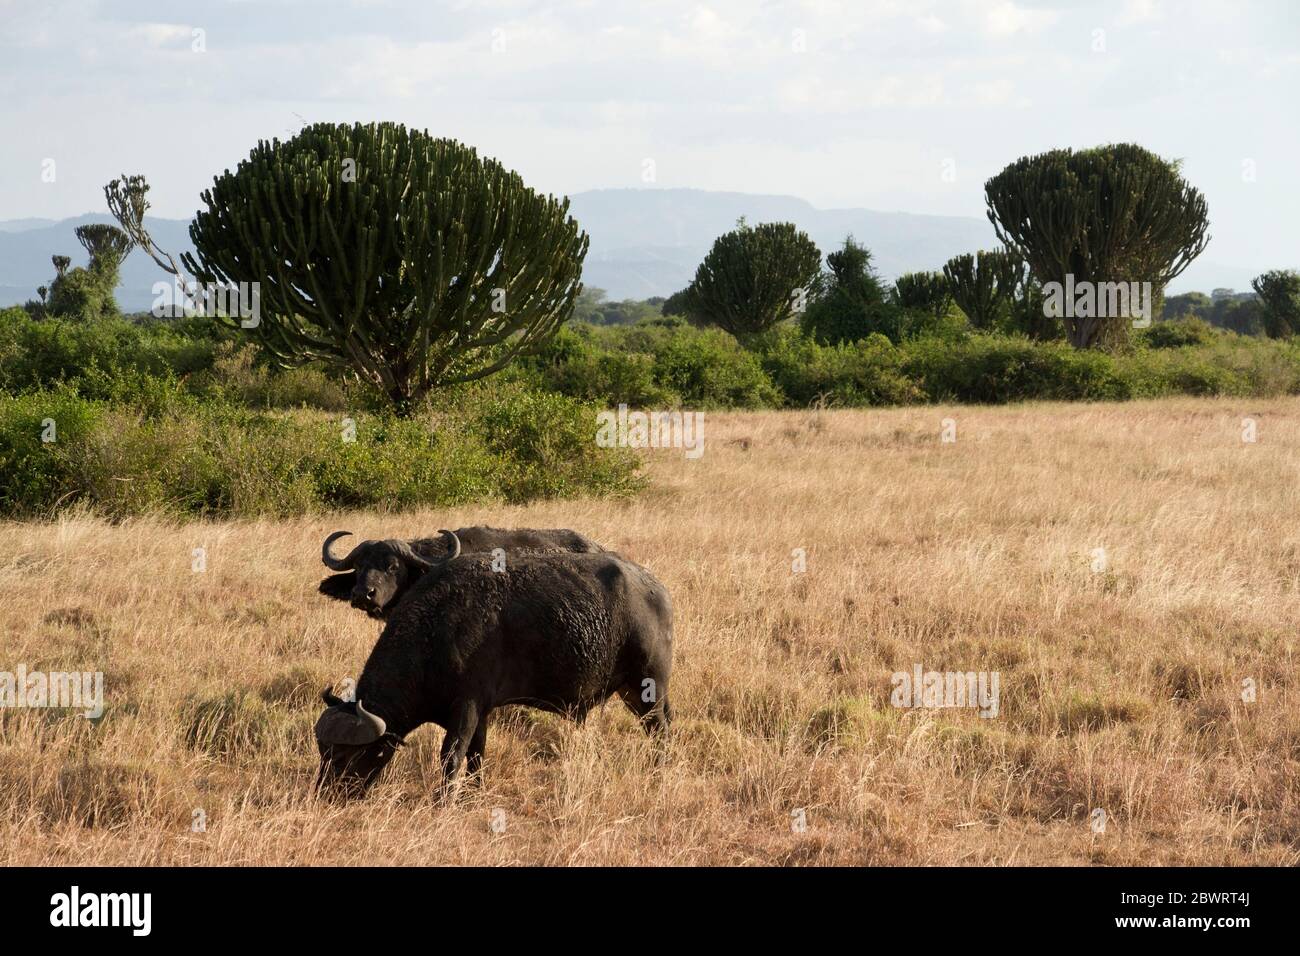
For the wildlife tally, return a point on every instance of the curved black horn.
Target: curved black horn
(331, 562)
(328, 696)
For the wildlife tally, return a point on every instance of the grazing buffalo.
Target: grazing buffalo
(559, 632)
(377, 573)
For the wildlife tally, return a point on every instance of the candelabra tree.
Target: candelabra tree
(753, 278)
(407, 258)
(1116, 213)
(984, 284)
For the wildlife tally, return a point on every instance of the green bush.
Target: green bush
(853, 303)
(118, 359)
(546, 444)
(666, 363)
(204, 457)
(173, 417)
(1227, 365)
(237, 376)
(662, 363)
(574, 364)
(41, 437)
(1176, 334)
(995, 369)
(404, 462)
(37, 354)
(952, 325)
(83, 295)
(866, 372)
(992, 369)
(709, 369)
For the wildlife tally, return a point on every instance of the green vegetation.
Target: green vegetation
(1114, 213)
(1235, 312)
(185, 418)
(854, 303)
(186, 456)
(924, 294)
(984, 285)
(641, 365)
(753, 278)
(1279, 298)
(661, 363)
(86, 293)
(592, 306)
(407, 259)
(397, 271)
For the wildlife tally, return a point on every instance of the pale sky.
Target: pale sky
(896, 105)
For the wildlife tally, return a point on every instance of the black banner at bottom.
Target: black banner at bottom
(302, 905)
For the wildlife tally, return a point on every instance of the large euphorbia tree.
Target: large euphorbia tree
(407, 258)
(1115, 213)
(753, 278)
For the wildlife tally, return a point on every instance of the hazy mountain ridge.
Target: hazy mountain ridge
(648, 242)
(22, 225)
(25, 258)
(644, 242)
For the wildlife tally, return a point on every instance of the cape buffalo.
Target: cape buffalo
(378, 573)
(559, 632)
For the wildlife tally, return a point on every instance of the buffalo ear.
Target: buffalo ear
(339, 586)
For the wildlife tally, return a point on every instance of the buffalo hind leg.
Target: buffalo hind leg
(477, 744)
(464, 723)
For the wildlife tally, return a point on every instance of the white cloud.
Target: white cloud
(929, 23)
(160, 34)
(1139, 11)
(714, 90)
(995, 92)
(1005, 18)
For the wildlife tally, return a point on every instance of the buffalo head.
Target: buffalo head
(375, 573)
(355, 746)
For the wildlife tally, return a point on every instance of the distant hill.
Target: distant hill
(25, 257)
(644, 242)
(21, 225)
(647, 242)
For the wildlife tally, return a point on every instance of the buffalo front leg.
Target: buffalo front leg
(461, 729)
(654, 715)
(649, 701)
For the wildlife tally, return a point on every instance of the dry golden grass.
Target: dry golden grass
(1120, 690)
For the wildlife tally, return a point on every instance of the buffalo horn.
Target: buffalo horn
(375, 722)
(338, 725)
(331, 562)
(424, 564)
(331, 698)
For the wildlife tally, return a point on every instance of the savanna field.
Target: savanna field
(1121, 681)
